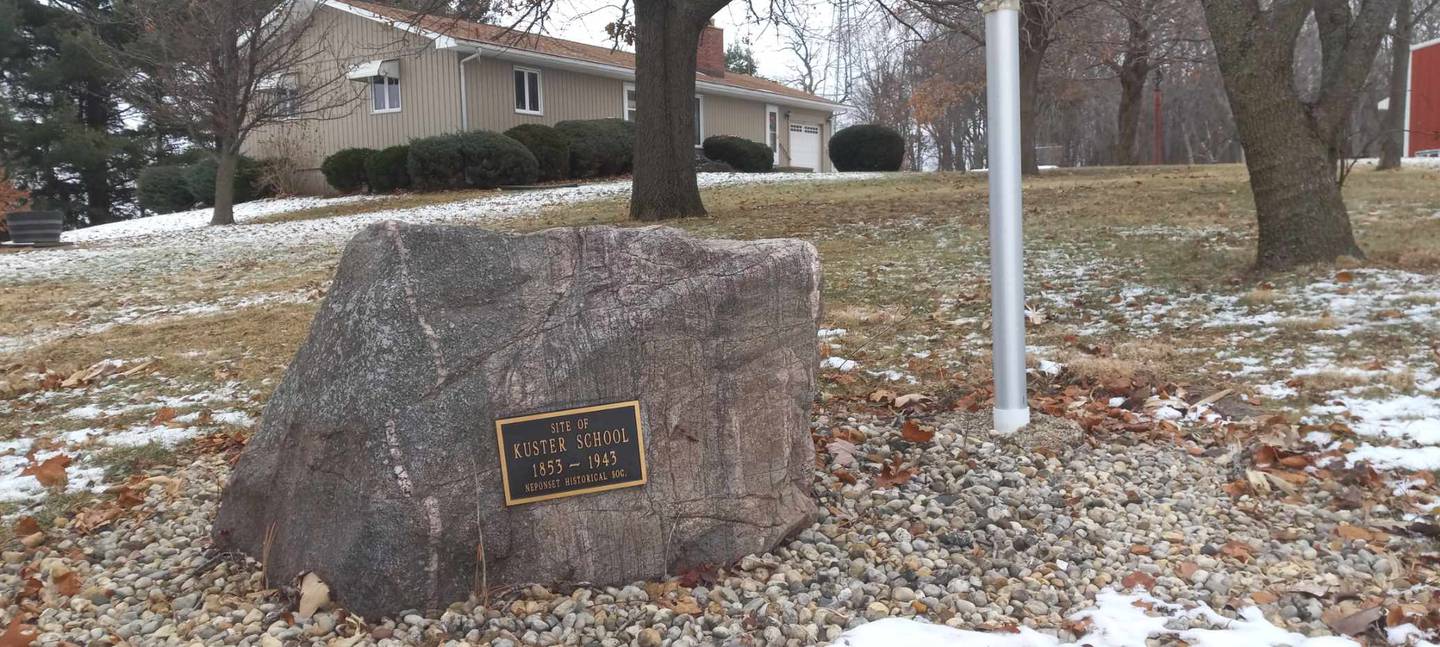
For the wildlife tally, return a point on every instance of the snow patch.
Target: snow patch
(1117, 620)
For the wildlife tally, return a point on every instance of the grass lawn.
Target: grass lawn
(1138, 284)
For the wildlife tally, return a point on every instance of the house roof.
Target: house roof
(499, 36)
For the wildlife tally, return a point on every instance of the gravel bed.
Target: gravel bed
(985, 535)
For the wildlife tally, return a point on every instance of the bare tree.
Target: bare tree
(225, 69)
(1151, 35)
(806, 44)
(1292, 144)
(1039, 21)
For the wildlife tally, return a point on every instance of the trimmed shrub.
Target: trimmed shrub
(740, 153)
(550, 147)
(478, 159)
(599, 147)
(201, 178)
(387, 170)
(492, 160)
(345, 170)
(436, 163)
(867, 147)
(164, 189)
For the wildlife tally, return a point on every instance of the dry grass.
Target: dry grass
(1259, 297)
(903, 258)
(1338, 379)
(1119, 373)
(1306, 324)
(249, 345)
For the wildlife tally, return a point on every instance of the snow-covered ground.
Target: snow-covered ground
(197, 218)
(141, 259)
(1116, 620)
(183, 241)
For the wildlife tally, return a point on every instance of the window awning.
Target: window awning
(370, 69)
(276, 82)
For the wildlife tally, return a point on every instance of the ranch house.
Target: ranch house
(444, 75)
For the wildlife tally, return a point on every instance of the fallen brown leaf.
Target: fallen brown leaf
(1139, 579)
(163, 415)
(1239, 550)
(893, 475)
(1349, 623)
(912, 431)
(882, 395)
(26, 525)
(67, 583)
(18, 634)
(912, 399)
(1350, 532)
(51, 472)
(314, 594)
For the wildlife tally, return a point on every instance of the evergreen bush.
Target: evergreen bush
(740, 153)
(599, 147)
(345, 170)
(388, 170)
(550, 147)
(867, 147)
(164, 189)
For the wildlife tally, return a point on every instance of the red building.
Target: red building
(1422, 105)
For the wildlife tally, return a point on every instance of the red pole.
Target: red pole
(1158, 148)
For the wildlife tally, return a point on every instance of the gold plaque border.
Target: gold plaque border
(505, 466)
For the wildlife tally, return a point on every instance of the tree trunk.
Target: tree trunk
(664, 185)
(1392, 140)
(1133, 72)
(1132, 95)
(224, 213)
(1033, 42)
(1301, 214)
(95, 177)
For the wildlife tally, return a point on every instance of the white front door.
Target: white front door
(805, 146)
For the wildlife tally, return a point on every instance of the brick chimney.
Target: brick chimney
(710, 52)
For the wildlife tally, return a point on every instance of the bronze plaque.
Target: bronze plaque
(576, 451)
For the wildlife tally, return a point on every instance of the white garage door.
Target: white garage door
(805, 146)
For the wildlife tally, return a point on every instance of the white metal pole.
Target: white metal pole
(1007, 278)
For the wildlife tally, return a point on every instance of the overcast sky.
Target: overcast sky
(585, 22)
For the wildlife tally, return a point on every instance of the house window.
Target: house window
(287, 102)
(528, 99)
(385, 92)
(280, 96)
(772, 131)
(628, 105)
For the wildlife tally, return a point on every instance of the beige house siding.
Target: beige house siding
(734, 117)
(563, 95)
(429, 97)
(431, 104)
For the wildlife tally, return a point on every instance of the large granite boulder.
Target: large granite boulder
(376, 467)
